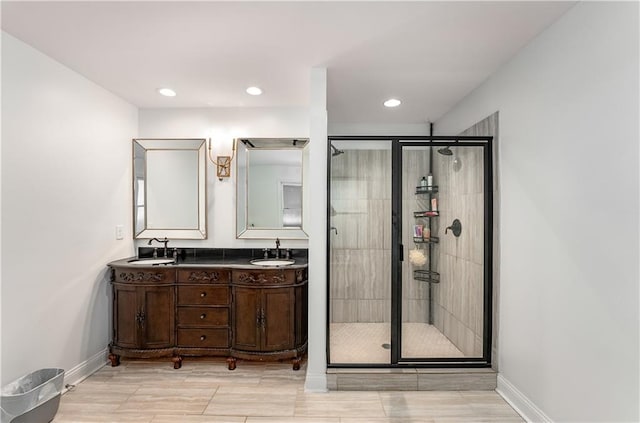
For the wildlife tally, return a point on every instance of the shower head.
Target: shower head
(446, 151)
(335, 151)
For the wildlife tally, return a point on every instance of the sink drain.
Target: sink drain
(386, 346)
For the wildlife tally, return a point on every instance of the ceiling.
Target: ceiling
(428, 54)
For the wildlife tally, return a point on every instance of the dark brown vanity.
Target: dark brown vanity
(227, 308)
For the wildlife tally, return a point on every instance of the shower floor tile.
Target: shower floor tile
(363, 342)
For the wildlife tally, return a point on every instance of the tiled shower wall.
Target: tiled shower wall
(361, 250)
(415, 294)
(458, 299)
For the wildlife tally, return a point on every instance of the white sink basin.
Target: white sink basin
(272, 262)
(149, 262)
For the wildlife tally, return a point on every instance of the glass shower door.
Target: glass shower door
(442, 283)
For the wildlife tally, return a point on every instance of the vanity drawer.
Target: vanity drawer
(264, 277)
(203, 316)
(203, 295)
(203, 276)
(196, 337)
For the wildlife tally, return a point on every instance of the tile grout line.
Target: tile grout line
(210, 399)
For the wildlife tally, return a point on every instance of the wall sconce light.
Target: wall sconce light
(223, 163)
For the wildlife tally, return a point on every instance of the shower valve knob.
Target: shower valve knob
(456, 228)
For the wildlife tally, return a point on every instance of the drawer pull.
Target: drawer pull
(203, 316)
(203, 294)
(202, 338)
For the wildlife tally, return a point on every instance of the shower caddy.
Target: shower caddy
(427, 275)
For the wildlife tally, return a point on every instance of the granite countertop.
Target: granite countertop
(209, 262)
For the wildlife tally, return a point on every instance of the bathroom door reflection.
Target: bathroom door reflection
(360, 252)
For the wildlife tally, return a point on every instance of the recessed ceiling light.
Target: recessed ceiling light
(167, 92)
(254, 91)
(392, 102)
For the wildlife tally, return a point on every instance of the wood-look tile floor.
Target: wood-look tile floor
(205, 391)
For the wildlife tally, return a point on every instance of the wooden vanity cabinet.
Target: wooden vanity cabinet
(182, 311)
(143, 314)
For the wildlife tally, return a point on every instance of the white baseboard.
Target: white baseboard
(315, 383)
(85, 369)
(523, 405)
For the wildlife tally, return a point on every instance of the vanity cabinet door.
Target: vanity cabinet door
(246, 318)
(158, 307)
(125, 308)
(143, 316)
(264, 319)
(277, 325)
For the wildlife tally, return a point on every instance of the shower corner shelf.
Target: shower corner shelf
(426, 213)
(426, 276)
(427, 190)
(430, 240)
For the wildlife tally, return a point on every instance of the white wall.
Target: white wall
(222, 125)
(66, 184)
(316, 380)
(569, 165)
(417, 129)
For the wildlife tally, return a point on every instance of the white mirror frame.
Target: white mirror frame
(180, 144)
(242, 231)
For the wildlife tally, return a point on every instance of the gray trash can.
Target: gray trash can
(34, 398)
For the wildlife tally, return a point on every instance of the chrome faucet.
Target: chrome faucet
(277, 248)
(164, 241)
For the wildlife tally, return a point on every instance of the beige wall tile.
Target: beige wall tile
(461, 259)
(344, 311)
(471, 381)
(390, 382)
(374, 311)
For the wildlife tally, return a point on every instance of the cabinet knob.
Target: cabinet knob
(203, 294)
(202, 316)
(202, 338)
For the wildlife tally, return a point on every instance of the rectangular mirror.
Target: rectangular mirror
(271, 196)
(169, 188)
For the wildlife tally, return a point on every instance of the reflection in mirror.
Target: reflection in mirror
(274, 183)
(270, 188)
(169, 188)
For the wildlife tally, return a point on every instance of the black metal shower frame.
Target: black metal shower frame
(397, 143)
